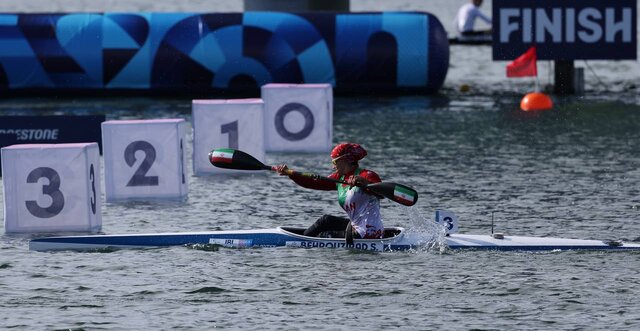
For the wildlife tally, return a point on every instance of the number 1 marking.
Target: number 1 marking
(232, 130)
(182, 161)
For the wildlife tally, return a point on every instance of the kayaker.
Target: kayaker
(362, 207)
(466, 18)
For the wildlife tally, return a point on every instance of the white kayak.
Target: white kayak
(395, 239)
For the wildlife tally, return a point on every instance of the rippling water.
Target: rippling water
(571, 172)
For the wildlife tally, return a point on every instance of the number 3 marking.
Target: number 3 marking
(52, 190)
(449, 223)
(92, 178)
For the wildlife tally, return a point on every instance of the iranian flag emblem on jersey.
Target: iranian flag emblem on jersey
(403, 195)
(223, 155)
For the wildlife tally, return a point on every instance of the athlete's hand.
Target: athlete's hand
(357, 181)
(282, 169)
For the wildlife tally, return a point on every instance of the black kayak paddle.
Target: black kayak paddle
(228, 158)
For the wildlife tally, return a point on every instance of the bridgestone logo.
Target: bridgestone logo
(32, 134)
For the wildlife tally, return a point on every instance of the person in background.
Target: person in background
(362, 207)
(466, 18)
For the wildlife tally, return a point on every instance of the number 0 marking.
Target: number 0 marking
(308, 121)
(52, 190)
(140, 177)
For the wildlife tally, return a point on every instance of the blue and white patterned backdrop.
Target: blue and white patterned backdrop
(234, 52)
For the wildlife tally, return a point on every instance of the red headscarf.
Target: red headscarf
(349, 151)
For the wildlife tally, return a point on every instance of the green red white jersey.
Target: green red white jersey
(362, 208)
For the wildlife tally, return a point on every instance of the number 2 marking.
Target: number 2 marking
(140, 177)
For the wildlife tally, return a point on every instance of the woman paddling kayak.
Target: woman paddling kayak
(361, 205)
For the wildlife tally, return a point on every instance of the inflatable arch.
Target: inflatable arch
(379, 52)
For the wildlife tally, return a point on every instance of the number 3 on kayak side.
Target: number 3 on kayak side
(447, 219)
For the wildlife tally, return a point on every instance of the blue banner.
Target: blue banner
(50, 130)
(565, 30)
(207, 53)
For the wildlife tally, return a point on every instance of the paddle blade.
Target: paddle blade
(228, 158)
(399, 193)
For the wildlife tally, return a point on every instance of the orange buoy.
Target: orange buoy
(536, 101)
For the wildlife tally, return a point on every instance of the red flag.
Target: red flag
(525, 65)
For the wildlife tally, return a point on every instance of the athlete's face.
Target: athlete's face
(342, 166)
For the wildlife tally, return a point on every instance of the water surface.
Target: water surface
(571, 172)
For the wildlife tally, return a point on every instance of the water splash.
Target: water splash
(429, 235)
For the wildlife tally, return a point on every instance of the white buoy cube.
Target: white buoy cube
(145, 159)
(51, 188)
(236, 124)
(298, 117)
